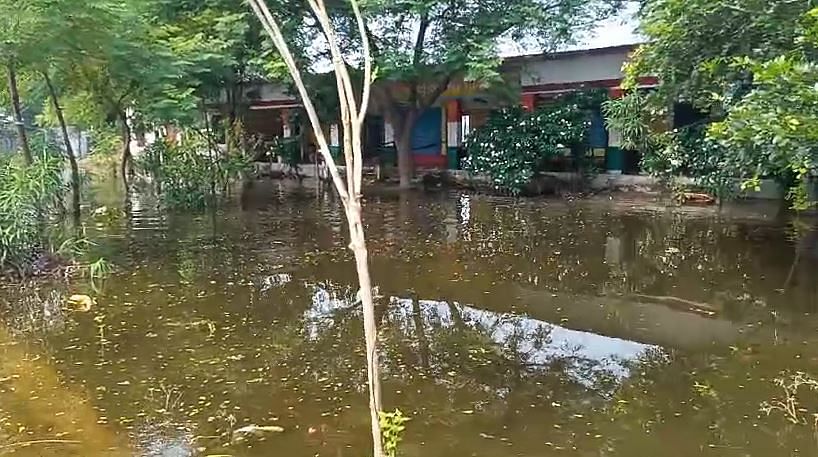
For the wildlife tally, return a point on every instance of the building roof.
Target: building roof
(548, 55)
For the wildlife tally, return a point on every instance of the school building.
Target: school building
(439, 132)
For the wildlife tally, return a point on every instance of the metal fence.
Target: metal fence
(80, 140)
(8, 139)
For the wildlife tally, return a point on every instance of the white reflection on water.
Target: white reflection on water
(584, 355)
(540, 341)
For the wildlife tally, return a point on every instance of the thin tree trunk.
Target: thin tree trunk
(18, 114)
(69, 151)
(358, 246)
(124, 165)
(210, 152)
(350, 192)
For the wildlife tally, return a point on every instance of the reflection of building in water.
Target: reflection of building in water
(613, 251)
(450, 222)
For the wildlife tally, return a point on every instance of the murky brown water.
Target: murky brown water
(535, 328)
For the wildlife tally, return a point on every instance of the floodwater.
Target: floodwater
(508, 328)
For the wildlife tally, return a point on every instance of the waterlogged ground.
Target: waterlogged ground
(535, 328)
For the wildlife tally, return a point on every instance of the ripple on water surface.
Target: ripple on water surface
(508, 328)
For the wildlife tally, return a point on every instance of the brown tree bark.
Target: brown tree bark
(69, 151)
(17, 111)
(403, 146)
(403, 119)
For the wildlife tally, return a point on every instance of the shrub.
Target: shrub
(191, 176)
(515, 144)
(27, 194)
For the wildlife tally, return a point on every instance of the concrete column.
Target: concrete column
(454, 132)
(335, 140)
(529, 102)
(388, 157)
(286, 128)
(388, 132)
(615, 157)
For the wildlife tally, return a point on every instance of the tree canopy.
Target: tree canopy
(749, 69)
(424, 45)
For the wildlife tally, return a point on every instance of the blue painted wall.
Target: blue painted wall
(426, 135)
(597, 134)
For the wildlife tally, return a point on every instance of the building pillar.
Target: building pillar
(335, 140)
(388, 132)
(286, 128)
(615, 156)
(529, 102)
(388, 150)
(454, 132)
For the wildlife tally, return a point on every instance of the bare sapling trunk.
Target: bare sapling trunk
(69, 151)
(211, 150)
(349, 189)
(17, 111)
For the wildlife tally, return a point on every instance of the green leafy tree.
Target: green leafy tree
(422, 46)
(221, 53)
(749, 68)
(20, 22)
(43, 38)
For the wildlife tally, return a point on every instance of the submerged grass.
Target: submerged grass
(33, 241)
(28, 195)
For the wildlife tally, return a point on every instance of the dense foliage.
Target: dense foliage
(190, 174)
(515, 144)
(750, 70)
(27, 195)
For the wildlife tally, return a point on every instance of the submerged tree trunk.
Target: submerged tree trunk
(403, 122)
(69, 151)
(420, 334)
(125, 132)
(17, 111)
(406, 165)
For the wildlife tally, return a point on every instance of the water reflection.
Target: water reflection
(524, 328)
(584, 356)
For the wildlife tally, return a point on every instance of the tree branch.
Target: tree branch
(420, 39)
(367, 65)
(417, 55)
(435, 94)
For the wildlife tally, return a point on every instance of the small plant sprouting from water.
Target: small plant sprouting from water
(790, 404)
(99, 269)
(392, 428)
